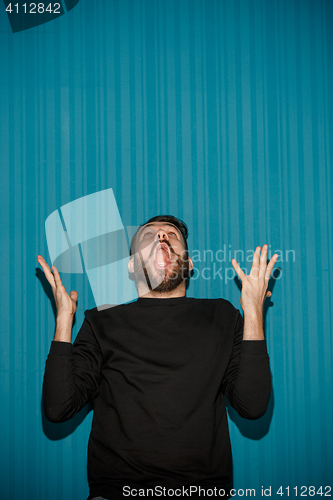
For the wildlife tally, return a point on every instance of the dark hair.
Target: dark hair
(164, 218)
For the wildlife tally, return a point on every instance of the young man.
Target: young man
(158, 369)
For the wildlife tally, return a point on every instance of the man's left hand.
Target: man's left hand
(254, 285)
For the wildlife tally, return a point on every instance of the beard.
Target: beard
(163, 280)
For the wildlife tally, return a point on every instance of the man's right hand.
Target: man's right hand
(66, 304)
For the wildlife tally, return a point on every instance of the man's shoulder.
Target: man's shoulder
(222, 309)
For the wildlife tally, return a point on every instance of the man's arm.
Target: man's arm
(247, 382)
(72, 373)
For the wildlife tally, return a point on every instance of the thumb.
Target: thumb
(268, 294)
(74, 295)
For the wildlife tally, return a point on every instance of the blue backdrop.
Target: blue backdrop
(217, 111)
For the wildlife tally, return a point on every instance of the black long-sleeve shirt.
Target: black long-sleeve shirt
(158, 370)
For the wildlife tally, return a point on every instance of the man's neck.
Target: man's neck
(145, 293)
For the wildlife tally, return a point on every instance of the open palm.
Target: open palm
(66, 304)
(254, 285)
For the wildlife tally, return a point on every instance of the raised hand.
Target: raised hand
(66, 304)
(254, 285)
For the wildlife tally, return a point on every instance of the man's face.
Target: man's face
(160, 259)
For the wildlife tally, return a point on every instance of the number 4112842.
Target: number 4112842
(34, 8)
(305, 491)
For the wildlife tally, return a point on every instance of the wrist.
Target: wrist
(254, 313)
(64, 319)
(63, 331)
(253, 325)
(254, 320)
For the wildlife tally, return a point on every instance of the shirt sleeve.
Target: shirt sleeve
(72, 375)
(247, 381)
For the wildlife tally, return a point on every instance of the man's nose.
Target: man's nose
(161, 235)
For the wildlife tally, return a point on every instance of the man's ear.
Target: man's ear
(190, 264)
(131, 265)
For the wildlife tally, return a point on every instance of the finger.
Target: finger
(74, 295)
(268, 294)
(270, 266)
(47, 271)
(238, 270)
(43, 263)
(56, 275)
(255, 262)
(263, 261)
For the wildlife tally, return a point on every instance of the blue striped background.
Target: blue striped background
(219, 112)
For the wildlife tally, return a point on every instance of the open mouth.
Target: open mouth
(162, 256)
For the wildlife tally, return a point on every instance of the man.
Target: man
(158, 369)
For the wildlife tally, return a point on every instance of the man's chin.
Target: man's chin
(164, 280)
(169, 280)
(161, 280)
